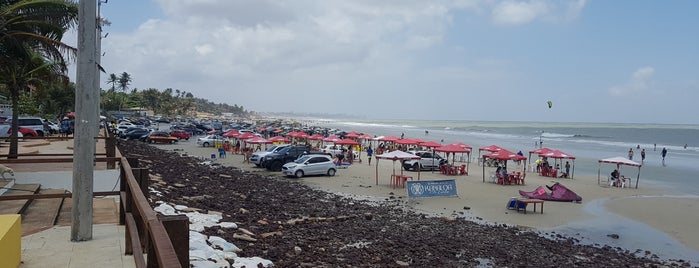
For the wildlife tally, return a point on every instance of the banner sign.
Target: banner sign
(419, 189)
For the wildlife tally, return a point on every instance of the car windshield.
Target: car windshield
(271, 149)
(302, 159)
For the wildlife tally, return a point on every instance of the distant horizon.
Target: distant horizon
(502, 60)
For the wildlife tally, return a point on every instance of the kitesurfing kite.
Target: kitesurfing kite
(550, 103)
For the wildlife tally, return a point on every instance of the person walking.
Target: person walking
(643, 155)
(630, 153)
(663, 153)
(567, 166)
(369, 153)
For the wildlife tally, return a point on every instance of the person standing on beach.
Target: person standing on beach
(643, 155)
(630, 153)
(369, 153)
(567, 166)
(663, 153)
(402, 134)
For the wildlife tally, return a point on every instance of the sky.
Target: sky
(626, 61)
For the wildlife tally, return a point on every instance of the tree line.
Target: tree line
(34, 66)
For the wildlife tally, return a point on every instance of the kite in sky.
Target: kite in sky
(550, 103)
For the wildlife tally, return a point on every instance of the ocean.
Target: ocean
(588, 142)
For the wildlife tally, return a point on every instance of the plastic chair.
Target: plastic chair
(463, 170)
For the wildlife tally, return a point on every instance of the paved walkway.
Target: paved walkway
(53, 248)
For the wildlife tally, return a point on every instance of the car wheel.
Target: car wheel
(331, 172)
(206, 144)
(172, 141)
(151, 141)
(276, 166)
(186, 139)
(299, 173)
(416, 167)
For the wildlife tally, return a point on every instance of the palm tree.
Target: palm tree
(124, 82)
(113, 79)
(30, 44)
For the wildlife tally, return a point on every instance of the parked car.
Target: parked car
(180, 134)
(316, 164)
(6, 130)
(123, 133)
(258, 158)
(34, 123)
(209, 140)
(275, 161)
(53, 127)
(428, 161)
(160, 137)
(135, 134)
(333, 150)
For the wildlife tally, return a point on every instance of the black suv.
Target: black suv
(275, 161)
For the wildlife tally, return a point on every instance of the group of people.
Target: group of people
(544, 168)
(663, 153)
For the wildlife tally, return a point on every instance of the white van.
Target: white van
(35, 123)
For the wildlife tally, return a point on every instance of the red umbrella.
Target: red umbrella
(245, 136)
(407, 142)
(352, 135)
(291, 134)
(316, 137)
(279, 139)
(347, 142)
(430, 144)
(365, 137)
(451, 148)
(389, 138)
(70, 115)
(230, 133)
(302, 135)
(463, 145)
(502, 154)
(258, 140)
(331, 138)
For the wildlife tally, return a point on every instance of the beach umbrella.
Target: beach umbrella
(451, 148)
(430, 144)
(539, 152)
(316, 137)
(490, 148)
(395, 156)
(503, 155)
(388, 138)
(352, 135)
(258, 140)
(365, 137)
(279, 139)
(230, 133)
(408, 142)
(619, 161)
(331, 138)
(346, 142)
(556, 154)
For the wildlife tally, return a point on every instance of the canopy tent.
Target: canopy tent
(619, 161)
(346, 142)
(316, 137)
(408, 141)
(331, 138)
(538, 152)
(365, 137)
(452, 148)
(556, 154)
(230, 133)
(388, 138)
(395, 156)
(258, 140)
(503, 155)
(279, 139)
(352, 135)
(430, 144)
(464, 145)
(490, 148)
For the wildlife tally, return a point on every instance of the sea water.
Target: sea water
(588, 142)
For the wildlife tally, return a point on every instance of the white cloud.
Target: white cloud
(640, 81)
(511, 12)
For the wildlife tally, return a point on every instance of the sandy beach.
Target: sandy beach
(653, 209)
(647, 209)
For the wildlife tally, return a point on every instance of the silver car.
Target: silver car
(258, 157)
(314, 164)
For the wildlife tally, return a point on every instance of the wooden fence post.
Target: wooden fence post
(177, 228)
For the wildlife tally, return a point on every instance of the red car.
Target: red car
(180, 134)
(26, 132)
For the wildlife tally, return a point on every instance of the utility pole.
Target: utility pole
(86, 120)
(98, 54)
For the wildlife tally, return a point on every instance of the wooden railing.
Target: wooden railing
(154, 240)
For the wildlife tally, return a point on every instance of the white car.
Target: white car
(209, 140)
(336, 149)
(313, 164)
(258, 157)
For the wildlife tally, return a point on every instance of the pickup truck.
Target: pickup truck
(427, 161)
(275, 161)
(258, 158)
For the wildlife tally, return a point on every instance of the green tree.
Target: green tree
(113, 79)
(30, 42)
(124, 82)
